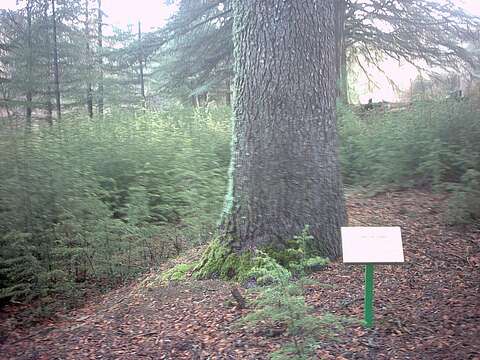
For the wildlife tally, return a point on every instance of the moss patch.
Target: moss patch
(221, 262)
(178, 272)
(286, 256)
(264, 267)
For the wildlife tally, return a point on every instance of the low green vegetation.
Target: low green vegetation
(281, 306)
(178, 272)
(221, 262)
(431, 144)
(94, 203)
(86, 202)
(263, 266)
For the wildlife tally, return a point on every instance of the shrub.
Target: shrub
(102, 201)
(464, 205)
(429, 144)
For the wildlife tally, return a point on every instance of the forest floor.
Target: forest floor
(427, 308)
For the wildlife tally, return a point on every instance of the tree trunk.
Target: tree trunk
(341, 56)
(89, 62)
(100, 59)
(48, 95)
(55, 63)
(140, 61)
(284, 169)
(29, 91)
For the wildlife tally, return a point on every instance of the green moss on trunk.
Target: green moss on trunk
(219, 261)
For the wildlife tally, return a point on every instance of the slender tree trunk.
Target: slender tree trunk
(341, 55)
(29, 92)
(89, 62)
(100, 58)
(55, 63)
(284, 170)
(48, 95)
(140, 61)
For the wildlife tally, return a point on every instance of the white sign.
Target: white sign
(372, 245)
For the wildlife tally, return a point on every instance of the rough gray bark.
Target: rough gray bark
(341, 55)
(285, 168)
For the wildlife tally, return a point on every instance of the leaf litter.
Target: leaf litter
(427, 308)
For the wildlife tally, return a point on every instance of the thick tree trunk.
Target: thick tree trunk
(56, 71)
(285, 168)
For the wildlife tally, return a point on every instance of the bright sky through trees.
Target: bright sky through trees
(154, 13)
(473, 6)
(401, 73)
(121, 13)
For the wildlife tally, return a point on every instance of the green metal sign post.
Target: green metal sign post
(368, 307)
(364, 245)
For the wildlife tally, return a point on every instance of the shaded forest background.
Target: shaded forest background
(114, 150)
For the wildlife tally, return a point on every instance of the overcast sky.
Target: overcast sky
(471, 5)
(154, 13)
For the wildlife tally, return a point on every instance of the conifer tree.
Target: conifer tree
(284, 168)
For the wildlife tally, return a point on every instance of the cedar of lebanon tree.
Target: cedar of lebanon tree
(368, 32)
(284, 168)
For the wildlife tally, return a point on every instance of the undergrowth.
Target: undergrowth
(87, 202)
(281, 305)
(426, 144)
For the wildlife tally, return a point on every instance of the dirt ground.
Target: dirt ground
(427, 308)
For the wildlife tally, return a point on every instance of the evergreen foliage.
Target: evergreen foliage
(85, 201)
(429, 144)
(282, 303)
(102, 201)
(39, 66)
(199, 38)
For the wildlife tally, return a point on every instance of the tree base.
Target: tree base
(220, 261)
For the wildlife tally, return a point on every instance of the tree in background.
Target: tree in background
(55, 51)
(196, 51)
(100, 58)
(56, 71)
(88, 60)
(25, 58)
